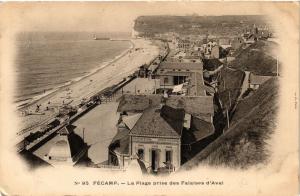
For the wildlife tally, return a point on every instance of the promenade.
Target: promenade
(143, 51)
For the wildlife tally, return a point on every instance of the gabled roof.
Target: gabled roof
(181, 65)
(131, 120)
(164, 122)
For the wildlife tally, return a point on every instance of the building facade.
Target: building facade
(157, 152)
(156, 138)
(175, 73)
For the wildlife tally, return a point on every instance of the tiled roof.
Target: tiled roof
(196, 85)
(192, 105)
(138, 103)
(195, 105)
(181, 65)
(164, 122)
(131, 119)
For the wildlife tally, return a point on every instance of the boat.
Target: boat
(101, 38)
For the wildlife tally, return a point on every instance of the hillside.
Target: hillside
(213, 25)
(259, 58)
(244, 143)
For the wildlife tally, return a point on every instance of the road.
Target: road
(245, 85)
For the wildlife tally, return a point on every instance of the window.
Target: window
(168, 156)
(166, 80)
(141, 154)
(179, 79)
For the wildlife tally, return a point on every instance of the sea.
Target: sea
(47, 61)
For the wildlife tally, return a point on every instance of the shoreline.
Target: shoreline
(22, 104)
(141, 52)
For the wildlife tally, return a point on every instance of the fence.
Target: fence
(110, 167)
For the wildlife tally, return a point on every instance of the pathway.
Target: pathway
(245, 85)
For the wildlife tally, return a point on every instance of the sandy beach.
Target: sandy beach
(143, 51)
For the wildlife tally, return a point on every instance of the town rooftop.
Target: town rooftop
(181, 65)
(164, 122)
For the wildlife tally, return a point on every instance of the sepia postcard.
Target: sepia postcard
(149, 98)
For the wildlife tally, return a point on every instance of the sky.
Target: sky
(108, 16)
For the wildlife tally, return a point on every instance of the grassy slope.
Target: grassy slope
(244, 143)
(258, 58)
